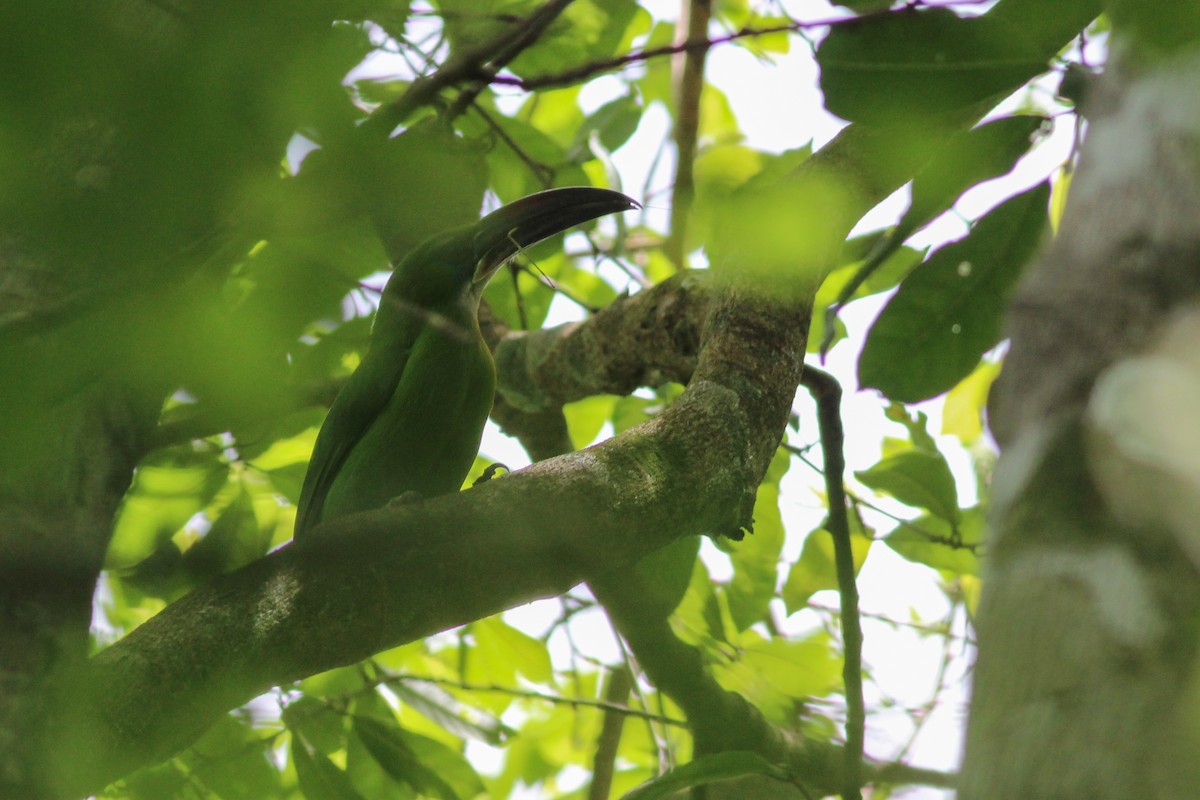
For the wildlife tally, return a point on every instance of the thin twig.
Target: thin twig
(620, 680)
(693, 27)
(528, 694)
(859, 500)
(827, 393)
(585, 71)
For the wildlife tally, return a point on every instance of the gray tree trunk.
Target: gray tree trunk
(1086, 683)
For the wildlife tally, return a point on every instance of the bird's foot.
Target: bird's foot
(490, 472)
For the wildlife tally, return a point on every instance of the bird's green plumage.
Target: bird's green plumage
(411, 416)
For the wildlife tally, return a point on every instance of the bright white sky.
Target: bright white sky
(903, 666)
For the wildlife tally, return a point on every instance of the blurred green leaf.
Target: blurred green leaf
(233, 761)
(431, 768)
(155, 783)
(707, 769)
(667, 574)
(772, 234)
(450, 713)
(554, 112)
(518, 298)
(234, 540)
(612, 124)
(917, 62)
(169, 488)
(962, 414)
(969, 158)
(897, 263)
(321, 728)
(774, 674)
(449, 177)
(501, 650)
(917, 425)
(471, 22)
(319, 777)
(587, 31)
(691, 620)
(756, 558)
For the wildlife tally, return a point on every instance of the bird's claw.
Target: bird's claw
(490, 472)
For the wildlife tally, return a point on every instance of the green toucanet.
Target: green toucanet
(411, 416)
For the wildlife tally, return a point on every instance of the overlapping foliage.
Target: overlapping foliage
(266, 211)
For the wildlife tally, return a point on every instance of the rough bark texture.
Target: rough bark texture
(1086, 680)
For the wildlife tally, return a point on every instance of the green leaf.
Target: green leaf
(916, 478)
(232, 760)
(156, 782)
(690, 620)
(320, 726)
(583, 285)
(612, 124)
(949, 311)
(705, 770)
(429, 767)
(917, 424)
(450, 713)
(451, 768)
(774, 673)
(500, 649)
(587, 31)
(168, 488)
(765, 44)
(962, 413)
(936, 543)
(518, 298)
(816, 569)
(320, 778)
(756, 558)
(234, 540)
(914, 63)
(667, 574)
(450, 172)
(471, 22)
(337, 682)
(895, 262)
(586, 418)
(969, 158)
(554, 112)
(772, 234)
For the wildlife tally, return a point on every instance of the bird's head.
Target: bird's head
(459, 263)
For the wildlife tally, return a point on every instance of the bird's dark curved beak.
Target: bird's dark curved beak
(525, 222)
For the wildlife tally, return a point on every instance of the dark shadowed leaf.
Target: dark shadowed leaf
(892, 67)
(948, 312)
(974, 156)
(705, 770)
(319, 777)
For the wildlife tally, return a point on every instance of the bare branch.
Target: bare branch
(689, 84)
(828, 393)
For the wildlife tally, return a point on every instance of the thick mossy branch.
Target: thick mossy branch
(646, 339)
(364, 583)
